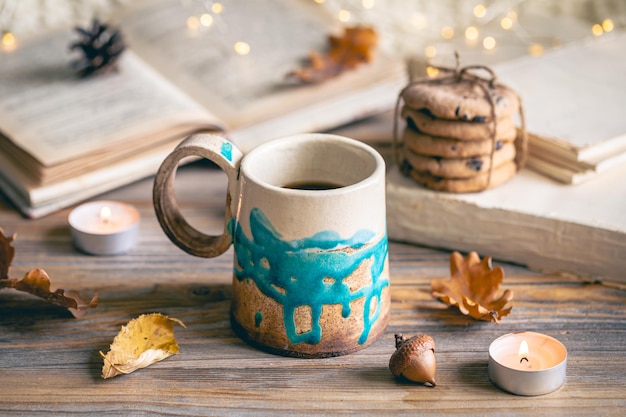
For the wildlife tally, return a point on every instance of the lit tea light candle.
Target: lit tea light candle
(527, 363)
(104, 227)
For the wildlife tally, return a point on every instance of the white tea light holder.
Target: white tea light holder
(527, 363)
(104, 227)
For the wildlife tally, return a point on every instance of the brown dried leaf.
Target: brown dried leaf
(356, 46)
(141, 342)
(37, 283)
(474, 288)
(7, 252)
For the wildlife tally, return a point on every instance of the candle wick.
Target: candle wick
(524, 358)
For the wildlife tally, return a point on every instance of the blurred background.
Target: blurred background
(487, 30)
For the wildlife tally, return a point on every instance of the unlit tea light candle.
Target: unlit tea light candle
(104, 227)
(527, 363)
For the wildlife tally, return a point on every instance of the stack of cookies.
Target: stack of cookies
(451, 142)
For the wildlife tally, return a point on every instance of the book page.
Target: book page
(241, 89)
(48, 112)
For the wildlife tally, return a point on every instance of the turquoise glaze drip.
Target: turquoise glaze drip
(310, 272)
(227, 150)
(258, 318)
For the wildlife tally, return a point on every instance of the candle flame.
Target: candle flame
(523, 349)
(105, 214)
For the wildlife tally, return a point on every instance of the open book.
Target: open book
(65, 139)
(574, 99)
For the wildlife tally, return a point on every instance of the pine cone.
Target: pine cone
(101, 47)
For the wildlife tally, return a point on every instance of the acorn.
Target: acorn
(414, 359)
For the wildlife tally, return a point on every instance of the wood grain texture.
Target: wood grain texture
(49, 362)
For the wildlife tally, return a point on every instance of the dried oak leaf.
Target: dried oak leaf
(37, 282)
(474, 287)
(356, 46)
(141, 342)
(7, 252)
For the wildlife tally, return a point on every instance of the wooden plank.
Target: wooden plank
(49, 362)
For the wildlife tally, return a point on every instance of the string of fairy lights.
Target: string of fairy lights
(208, 19)
(356, 11)
(417, 25)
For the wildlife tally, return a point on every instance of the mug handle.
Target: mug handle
(180, 232)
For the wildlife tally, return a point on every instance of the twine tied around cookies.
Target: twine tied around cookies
(486, 84)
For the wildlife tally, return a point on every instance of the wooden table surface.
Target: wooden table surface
(49, 361)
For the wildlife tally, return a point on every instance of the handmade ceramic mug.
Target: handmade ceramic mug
(306, 217)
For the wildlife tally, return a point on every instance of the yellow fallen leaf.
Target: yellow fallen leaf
(141, 342)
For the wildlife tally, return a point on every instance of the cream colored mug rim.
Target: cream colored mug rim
(261, 156)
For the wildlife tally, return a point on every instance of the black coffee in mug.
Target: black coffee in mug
(312, 185)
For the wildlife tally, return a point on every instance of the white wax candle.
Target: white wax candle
(527, 363)
(104, 227)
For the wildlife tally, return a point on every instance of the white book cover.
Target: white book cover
(529, 220)
(574, 98)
